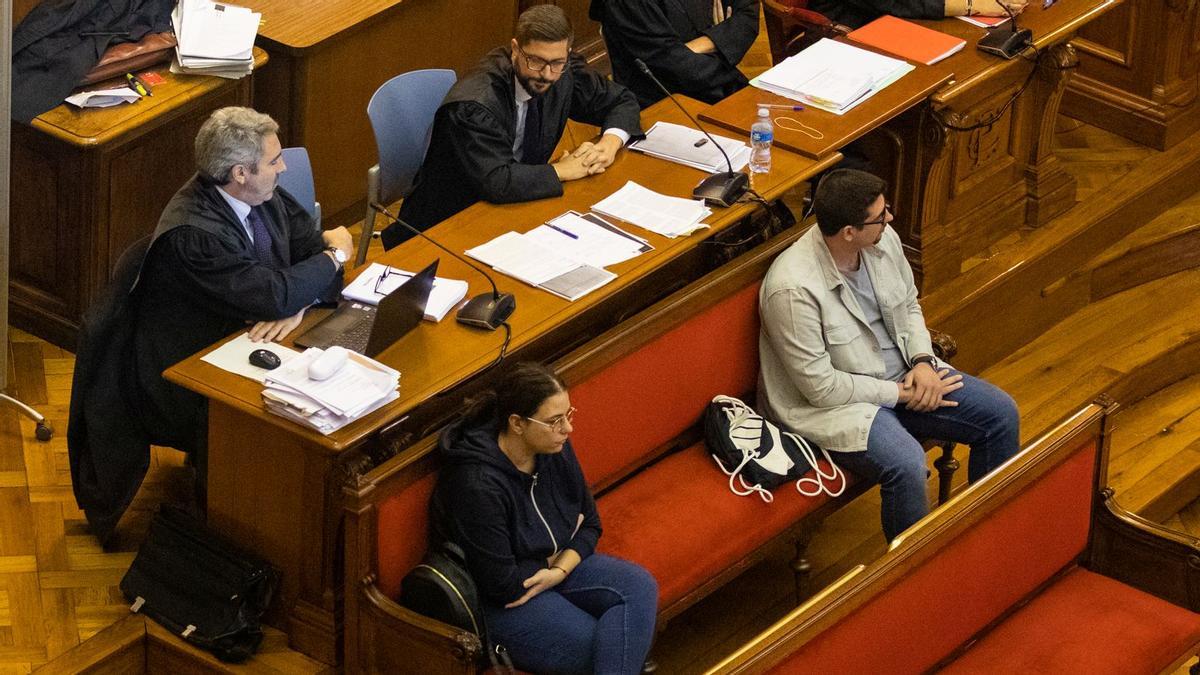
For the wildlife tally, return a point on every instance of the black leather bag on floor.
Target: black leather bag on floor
(199, 586)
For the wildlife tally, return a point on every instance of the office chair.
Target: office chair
(791, 27)
(298, 181)
(44, 431)
(401, 113)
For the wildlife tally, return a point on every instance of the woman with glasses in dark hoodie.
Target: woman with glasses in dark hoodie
(511, 493)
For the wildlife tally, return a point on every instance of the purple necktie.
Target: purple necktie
(262, 238)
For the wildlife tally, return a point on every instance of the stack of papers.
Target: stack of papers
(832, 76)
(690, 147)
(524, 258)
(588, 239)
(668, 216)
(214, 38)
(367, 288)
(359, 387)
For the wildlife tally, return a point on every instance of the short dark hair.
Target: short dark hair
(543, 23)
(844, 197)
(520, 391)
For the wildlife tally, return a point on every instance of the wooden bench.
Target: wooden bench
(1035, 569)
(640, 389)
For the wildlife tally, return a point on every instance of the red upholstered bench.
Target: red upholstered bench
(1049, 576)
(640, 389)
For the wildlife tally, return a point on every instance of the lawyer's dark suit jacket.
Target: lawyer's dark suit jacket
(656, 31)
(201, 281)
(857, 13)
(470, 153)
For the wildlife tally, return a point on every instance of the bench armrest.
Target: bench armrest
(1143, 554)
(944, 345)
(399, 638)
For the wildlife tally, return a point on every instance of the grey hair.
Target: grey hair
(232, 136)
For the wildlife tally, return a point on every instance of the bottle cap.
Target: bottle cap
(763, 112)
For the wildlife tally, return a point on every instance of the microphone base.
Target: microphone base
(1006, 42)
(722, 189)
(487, 310)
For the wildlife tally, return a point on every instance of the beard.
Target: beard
(534, 86)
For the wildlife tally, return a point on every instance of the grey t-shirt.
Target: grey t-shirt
(864, 291)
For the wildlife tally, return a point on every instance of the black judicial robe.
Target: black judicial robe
(470, 155)
(857, 13)
(656, 31)
(200, 282)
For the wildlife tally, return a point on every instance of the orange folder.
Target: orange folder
(908, 40)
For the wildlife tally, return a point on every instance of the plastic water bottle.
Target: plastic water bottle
(761, 135)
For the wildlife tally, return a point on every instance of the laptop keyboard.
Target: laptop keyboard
(356, 337)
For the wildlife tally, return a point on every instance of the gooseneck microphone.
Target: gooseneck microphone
(720, 189)
(486, 310)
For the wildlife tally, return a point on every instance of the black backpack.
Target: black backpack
(760, 456)
(441, 588)
(199, 586)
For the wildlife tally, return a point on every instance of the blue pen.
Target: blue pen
(569, 234)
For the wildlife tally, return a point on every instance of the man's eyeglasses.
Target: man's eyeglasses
(537, 64)
(380, 288)
(882, 219)
(558, 424)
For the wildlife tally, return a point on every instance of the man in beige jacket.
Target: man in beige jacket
(846, 359)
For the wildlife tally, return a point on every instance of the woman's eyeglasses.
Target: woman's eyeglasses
(558, 424)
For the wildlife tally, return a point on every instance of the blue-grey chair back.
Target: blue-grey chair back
(401, 113)
(298, 180)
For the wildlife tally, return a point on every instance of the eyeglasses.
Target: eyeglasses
(558, 424)
(380, 288)
(882, 219)
(537, 64)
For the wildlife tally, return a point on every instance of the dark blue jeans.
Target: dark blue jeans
(600, 619)
(985, 418)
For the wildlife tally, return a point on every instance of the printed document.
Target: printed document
(659, 213)
(367, 288)
(690, 147)
(832, 76)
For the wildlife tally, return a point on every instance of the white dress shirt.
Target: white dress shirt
(523, 97)
(241, 209)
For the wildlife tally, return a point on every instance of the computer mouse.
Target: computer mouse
(265, 358)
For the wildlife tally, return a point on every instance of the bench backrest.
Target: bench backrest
(954, 573)
(646, 398)
(637, 387)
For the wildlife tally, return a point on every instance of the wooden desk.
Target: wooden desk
(956, 192)
(1139, 72)
(328, 58)
(87, 183)
(275, 486)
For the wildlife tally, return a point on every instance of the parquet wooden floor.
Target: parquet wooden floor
(57, 587)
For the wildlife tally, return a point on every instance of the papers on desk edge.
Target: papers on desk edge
(361, 386)
(659, 213)
(832, 76)
(690, 147)
(565, 257)
(446, 294)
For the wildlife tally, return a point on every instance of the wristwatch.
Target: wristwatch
(338, 255)
(922, 358)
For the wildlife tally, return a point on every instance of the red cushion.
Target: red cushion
(402, 534)
(679, 520)
(649, 397)
(944, 600)
(1086, 623)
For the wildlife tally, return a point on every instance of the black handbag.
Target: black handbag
(441, 588)
(199, 586)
